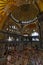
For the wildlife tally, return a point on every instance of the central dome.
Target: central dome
(25, 12)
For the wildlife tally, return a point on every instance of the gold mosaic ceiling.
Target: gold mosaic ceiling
(5, 4)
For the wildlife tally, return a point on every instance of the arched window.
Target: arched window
(10, 38)
(35, 36)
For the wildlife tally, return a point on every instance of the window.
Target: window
(35, 36)
(10, 38)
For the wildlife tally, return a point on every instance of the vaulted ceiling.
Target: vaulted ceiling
(22, 10)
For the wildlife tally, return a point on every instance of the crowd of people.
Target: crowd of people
(26, 56)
